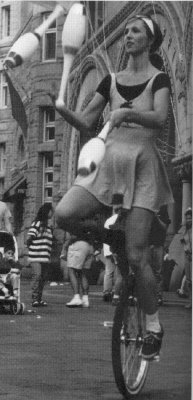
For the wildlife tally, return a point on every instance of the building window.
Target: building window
(21, 151)
(48, 177)
(5, 21)
(2, 158)
(1, 187)
(49, 125)
(49, 42)
(95, 11)
(4, 90)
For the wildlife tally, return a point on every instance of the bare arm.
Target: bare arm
(29, 240)
(86, 120)
(8, 225)
(155, 119)
(7, 220)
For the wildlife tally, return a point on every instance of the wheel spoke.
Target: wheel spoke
(126, 360)
(129, 370)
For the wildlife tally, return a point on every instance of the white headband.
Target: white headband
(149, 24)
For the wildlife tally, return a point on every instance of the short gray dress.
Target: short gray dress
(132, 172)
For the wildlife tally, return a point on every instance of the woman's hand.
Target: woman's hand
(117, 117)
(53, 98)
(52, 93)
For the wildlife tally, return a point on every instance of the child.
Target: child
(9, 273)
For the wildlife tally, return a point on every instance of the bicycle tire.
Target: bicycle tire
(129, 368)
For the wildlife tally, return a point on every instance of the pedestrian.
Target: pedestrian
(132, 172)
(157, 240)
(187, 246)
(112, 277)
(9, 272)
(39, 243)
(5, 218)
(80, 252)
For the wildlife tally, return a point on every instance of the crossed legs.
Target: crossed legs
(73, 213)
(76, 211)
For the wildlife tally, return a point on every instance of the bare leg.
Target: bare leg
(138, 226)
(108, 277)
(158, 256)
(76, 210)
(118, 281)
(73, 280)
(182, 289)
(84, 282)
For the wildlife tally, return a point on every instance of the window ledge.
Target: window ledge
(46, 147)
(2, 174)
(48, 61)
(6, 41)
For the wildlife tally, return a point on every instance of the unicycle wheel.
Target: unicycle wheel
(129, 368)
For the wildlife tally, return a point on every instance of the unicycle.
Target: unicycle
(129, 367)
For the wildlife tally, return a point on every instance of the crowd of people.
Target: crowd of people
(131, 176)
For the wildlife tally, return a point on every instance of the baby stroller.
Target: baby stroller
(13, 303)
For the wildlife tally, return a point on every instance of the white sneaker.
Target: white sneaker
(85, 302)
(74, 303)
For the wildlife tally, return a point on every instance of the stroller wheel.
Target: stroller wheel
(22, 308)
(14, 308)
(17, 308)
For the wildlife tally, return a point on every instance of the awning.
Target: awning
(18, 189)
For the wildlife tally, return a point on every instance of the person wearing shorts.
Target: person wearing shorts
(79, 259)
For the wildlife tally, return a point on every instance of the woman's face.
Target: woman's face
(135, 37)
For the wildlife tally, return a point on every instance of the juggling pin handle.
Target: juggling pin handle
(58, 10)
(105, 131)
(68, 60)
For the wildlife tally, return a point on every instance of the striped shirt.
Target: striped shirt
(41, 246)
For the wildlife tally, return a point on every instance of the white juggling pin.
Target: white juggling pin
(93, 152)
(27, 44)
(73, 35)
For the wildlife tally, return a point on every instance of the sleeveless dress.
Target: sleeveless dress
(132, 172)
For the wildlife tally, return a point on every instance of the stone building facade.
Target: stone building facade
(40, 161)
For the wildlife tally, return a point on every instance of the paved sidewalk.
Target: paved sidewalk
(65, 354)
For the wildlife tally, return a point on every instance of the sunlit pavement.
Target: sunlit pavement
(65, 354)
